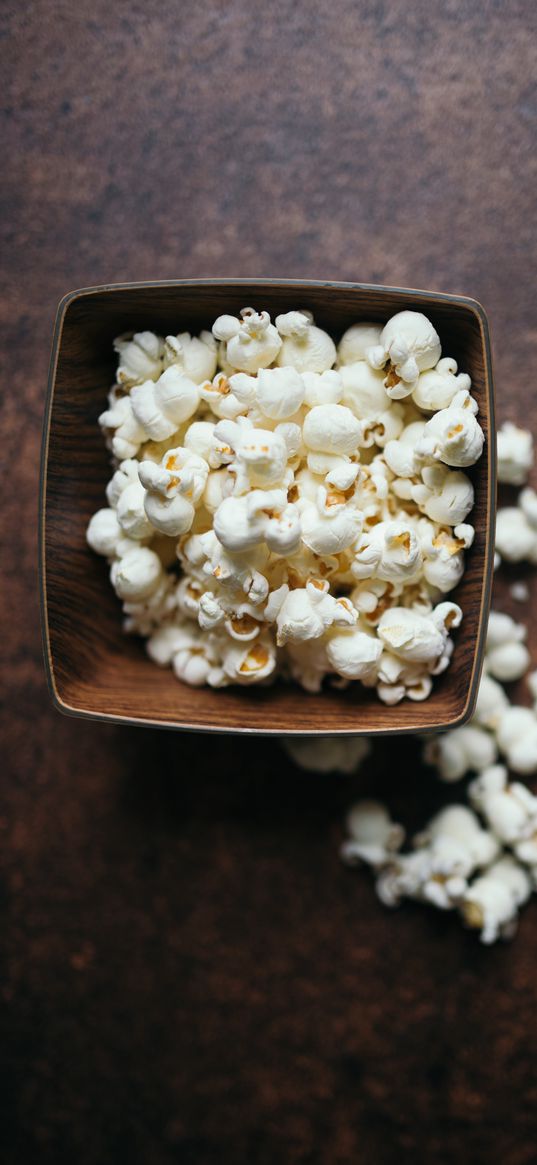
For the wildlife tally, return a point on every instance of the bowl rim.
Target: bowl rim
(78, 712)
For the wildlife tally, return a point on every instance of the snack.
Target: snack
(314, 497)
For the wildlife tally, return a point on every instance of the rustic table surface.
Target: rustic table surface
(190, 975)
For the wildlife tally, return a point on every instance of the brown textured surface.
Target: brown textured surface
(93, 669)
(189, 975)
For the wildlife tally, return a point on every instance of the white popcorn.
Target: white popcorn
(260, 454)
(444, 495)
(491, 702)
(400, 454)
(443, 558)
(356, 341)
(507, 656)
(516, 732)
(491, 903)
(251, 663)
(415, 637)
(308, 611)
(304, 347)
(104, 532)
(136, 574)
(463, 750)
(452, 436)
(515, 454)
(330, 532)
(260, 516)
(328, 754)
(363, 390)
(131, 514)
(389, 551)
(162, 406)
(307, 663)
(322, 388)
(331, 429)
(252, 341)
(140, 358)
(219, 395)
(163, 644)
(125, 430)
(353, 653)
(280, 392)
(510, 809)
(172, 490)
(411, 345)
(437, 388)
(194, 355)
(460, 824)
(374, 837)
(516, 537)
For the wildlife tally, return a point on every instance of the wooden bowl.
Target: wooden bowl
(94, 670)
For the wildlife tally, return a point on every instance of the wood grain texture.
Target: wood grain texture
(189, 975)
(94, 670)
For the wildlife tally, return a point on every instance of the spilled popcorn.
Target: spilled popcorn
(478, 858)
(284, 507)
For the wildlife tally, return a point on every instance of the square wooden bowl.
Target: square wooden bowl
(94, 670)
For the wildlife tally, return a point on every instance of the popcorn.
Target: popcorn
(137, 574)
(104, 533)
(389, 551)
(507, 657)
(356, 341)
(260, 516)
(516, 529)
(331, 429)
(160, 407)
(353, 654)
(415, 637)
(445, 496)
(280, 392)
(330, 532)
(515, 454)
(172, 489)
(510, 809)
(119, 421)
(140, 358)
(306, 612)
(260, 454)
(516, 732)
(252, 342)
(374, 837)
(491, 903)
(196, 356)
(312, 537)
(410, 345)
(304, 347)
(453, 436)
(463, 750)
(219, 395)
(363, 390)
(437, 388)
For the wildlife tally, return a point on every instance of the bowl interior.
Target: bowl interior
(94, 669)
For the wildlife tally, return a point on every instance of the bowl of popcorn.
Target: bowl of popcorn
(268, 506)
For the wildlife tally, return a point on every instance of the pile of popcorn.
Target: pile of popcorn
(313, 497)
(480, 857)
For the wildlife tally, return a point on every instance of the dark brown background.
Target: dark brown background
(189, 973)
